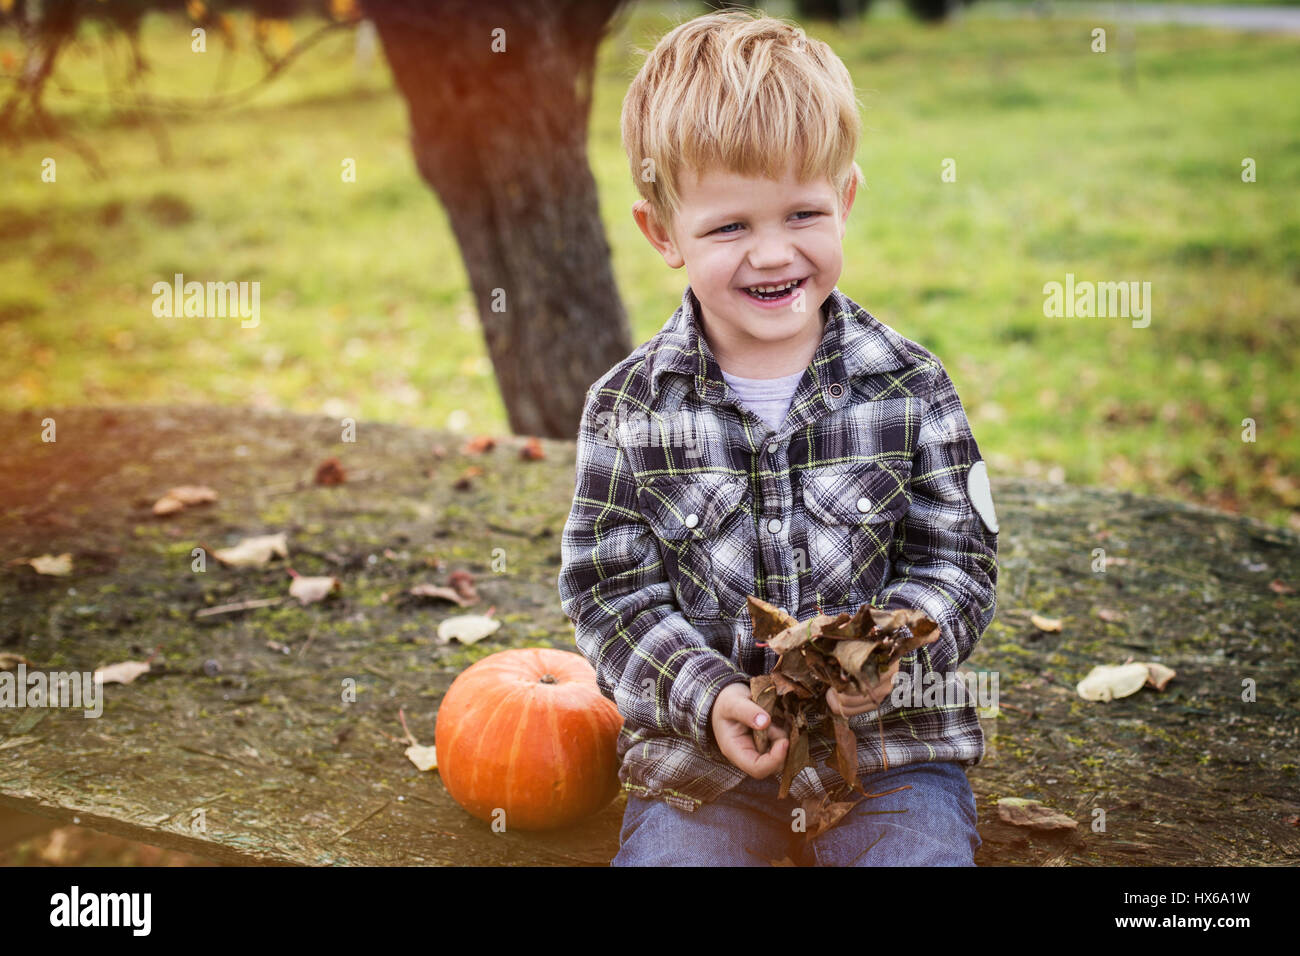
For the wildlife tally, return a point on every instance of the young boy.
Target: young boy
(772, 439)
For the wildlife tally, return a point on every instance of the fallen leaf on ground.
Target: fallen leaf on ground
(463, 584)
(10, 662)
(55, 566)
(1158, 675)
(467, 628)
(1108, 682)
(1107, 614)
(1020, 812)
(181, 497)
(465, 481)
(331, 472)
(532, 450)
(1278, 587)
(311, 590)
(254, 552)
(122, 673)
(480, 444)
(440, 593)
(425, 758)
(1049, 624)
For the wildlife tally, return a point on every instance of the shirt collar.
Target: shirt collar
(854, 343)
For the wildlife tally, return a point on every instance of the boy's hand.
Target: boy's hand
(850, 705)
(734, 716)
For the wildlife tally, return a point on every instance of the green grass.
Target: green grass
(1061, 168)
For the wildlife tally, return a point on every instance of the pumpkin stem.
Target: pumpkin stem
(548, 679)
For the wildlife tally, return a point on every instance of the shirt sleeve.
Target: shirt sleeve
(944, 557)
(657, 668)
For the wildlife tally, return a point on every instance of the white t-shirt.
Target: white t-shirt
(769, 398)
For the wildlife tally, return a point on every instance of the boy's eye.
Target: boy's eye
(727, 230)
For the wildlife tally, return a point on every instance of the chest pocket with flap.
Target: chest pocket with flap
(703, 528)
(853, 515)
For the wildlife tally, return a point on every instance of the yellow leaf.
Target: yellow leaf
(426, 758)
(1049, 624)
(311, 590)
(253, 552)
(1105, 682)
(467, 628)
(55, 566)
(182, 495)
(1158, 675)
(123, 673)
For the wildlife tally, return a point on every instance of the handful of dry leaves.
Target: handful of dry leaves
(849, 652)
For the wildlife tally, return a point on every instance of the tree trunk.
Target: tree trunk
(501, 137)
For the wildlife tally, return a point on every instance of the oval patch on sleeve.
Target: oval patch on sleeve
(981, 495)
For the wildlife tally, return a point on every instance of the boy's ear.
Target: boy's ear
(846, 203)
(655, 233)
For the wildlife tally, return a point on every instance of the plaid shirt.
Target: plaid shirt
(686, 502)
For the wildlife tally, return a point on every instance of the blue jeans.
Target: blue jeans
(932, 824)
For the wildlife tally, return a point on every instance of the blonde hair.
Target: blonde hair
(740, 92)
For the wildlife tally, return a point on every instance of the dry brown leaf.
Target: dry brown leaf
(439, 593)
(311, 590)
(822, 813)
(462, 582)
(254, 552)
(1158, 675)
(1020, 812)
(479, 445)
(847, 653)
(1049, 624)
(56, 566)
(10, 662)
(331, 472)
(532, 450)
(1110, 615)
(1279, 587)
(466, 479)
(182, 496)
(121, 673)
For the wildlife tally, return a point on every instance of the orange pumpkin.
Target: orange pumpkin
(529, 732)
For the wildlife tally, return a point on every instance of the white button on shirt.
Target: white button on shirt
(774, 525)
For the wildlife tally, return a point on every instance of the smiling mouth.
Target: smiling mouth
(774, 292)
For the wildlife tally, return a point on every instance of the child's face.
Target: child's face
(733, 232)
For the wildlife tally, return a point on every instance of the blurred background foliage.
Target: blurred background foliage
(1117, 166)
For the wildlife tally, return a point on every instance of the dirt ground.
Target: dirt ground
(240, 713)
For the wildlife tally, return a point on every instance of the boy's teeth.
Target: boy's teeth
(771, 288)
